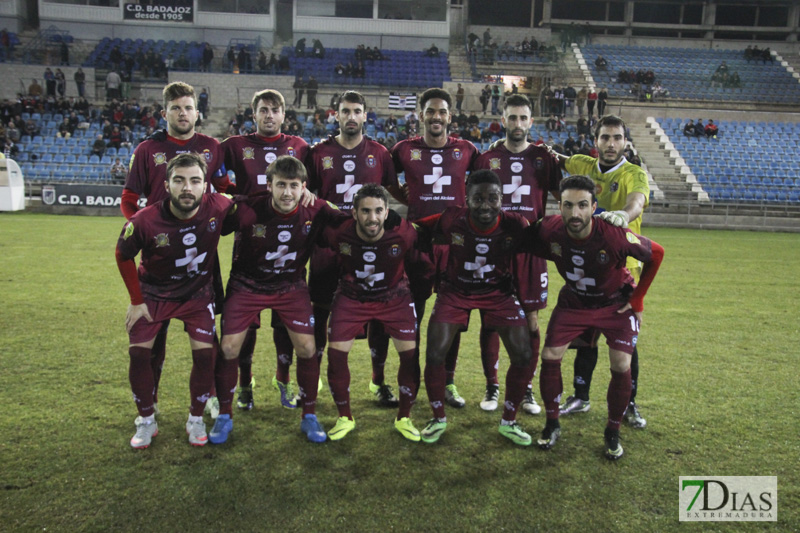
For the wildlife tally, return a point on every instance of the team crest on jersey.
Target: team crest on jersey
(508, 243)
(290, 151)
(458, 239)
(394, 251)
(598, 189)
(344, 248)
(160, 158)
(555, 249)
(494, 163)
(538, 164)
(602, 257)
(371, 161)
(128, 231)
(259, 230)
(248, 153)
(207, 155)
(457, 154)
(614, 187)
(162, 239)
(212, 224)
(632, 238)
(416, 155)
(307, 227)
(327, 163)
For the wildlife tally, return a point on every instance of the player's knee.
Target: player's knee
(306, 349)
(230, 348)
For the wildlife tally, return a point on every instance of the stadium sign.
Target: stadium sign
(82, 195)
(160, 10)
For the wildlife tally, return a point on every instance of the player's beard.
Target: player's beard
(610, 163)
(370, 231)
(182, 130)
(264, 132)
(518, 135)
(351, 129)
(577, 229)
(429, 128)
(176, 202)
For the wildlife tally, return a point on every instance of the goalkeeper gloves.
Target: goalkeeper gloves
(616, 218)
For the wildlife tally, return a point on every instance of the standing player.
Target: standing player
(435, 167)
(622, 194)
(248, 156)
(268, 271)
(598, 294)
(148, 172)
(338, 167)
(372, 286)
(483, 241)
(527, 172)
(178, 240)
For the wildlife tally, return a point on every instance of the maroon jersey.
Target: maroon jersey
(372, 271)
(526, 177)
(594, 268)
(274, 248)
(436, 177)
(248, 156)
(178, 256)
(148, 167)
(338, 173)
(479, 262)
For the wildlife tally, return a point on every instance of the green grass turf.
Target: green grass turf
(718, 387)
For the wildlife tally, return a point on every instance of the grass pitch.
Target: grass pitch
(719, 364)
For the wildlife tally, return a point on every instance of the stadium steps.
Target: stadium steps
(669, 183)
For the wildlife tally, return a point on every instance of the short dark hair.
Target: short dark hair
(186, 160)
(482, 176)
(177, 89)
(269, 95)
(371, 190)
(354, 97)
(518, 100)
(435, 92)
(580, 183)
(610, 121)
(287, 167)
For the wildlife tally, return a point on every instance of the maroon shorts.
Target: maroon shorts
(621, 330)
(323, 277)
(197, 316)
(498, 309)
(292, 307)
(530, 276)
(348, 318)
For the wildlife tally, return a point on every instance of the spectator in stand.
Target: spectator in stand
(474, 134)
(591, 99)
(699, 128)
(372, 117)
(601, 63)
(433, 51)
(319, 127)
(602, 100)
(390, 124)
(34, 89)
(580, 100)
(711, 129)
(319, 50)
(486, 94)
(13, 132)
(118, 171)
(126, 137)
(766, 55)
(339, 70)
(299, 88)
(551, 124)
(495, 99)
(80, 81)
(99, 146)
(582, 127)
(283, 63)
(473, 119)
(202, 103)
(312, 86)
(65, 129)
(115, 139)
(570, 95)
(50, 81)
(722, 68)
(358, 71)
(113, 81)
(64, 50)
(231, 57)
(748, 53)
(208, 57)
(495, 129)
(300, 48)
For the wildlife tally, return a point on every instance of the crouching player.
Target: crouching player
(178, 239)
(268, 272)
(373, 286)
(483, 241)
(599, 294)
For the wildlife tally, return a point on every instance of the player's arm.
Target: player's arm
(129, 203)
(137, 308)
(222, 182)
(649, 271)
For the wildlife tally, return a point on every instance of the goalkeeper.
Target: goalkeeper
(622, 194)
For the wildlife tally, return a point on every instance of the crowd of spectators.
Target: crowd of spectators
(725, 79)
(754, 53)
(698, 129)
(488, 50)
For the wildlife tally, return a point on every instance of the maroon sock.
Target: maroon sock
(339, 380)
(140, 374)
(307, 381)
(452, 359)
(405, 382)
(551, 387)
(158, 354)
(246, 357)
(619, 392)
(516, 385)
(435, 381)
(490, 354)
(535, 341)
(283, 350)
(216, 354)
(378, 341)
(321, 330)
(201, 379)
(226, 373)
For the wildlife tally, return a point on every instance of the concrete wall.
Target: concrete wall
(225, 90)
(16, 78)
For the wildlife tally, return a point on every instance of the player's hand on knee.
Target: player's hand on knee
(627, 307)
(135, 312)
(616, 218)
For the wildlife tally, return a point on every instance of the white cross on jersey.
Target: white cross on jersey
(479, 267)
(281, 257)
(580, 282)
(369, 275)
(436, 179)
(516, 189)
(348, 188)
(191, 261)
